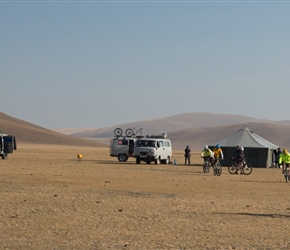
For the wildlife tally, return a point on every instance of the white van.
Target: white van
(153, 148)
(122, 147)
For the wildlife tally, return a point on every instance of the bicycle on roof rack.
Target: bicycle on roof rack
(130, 132)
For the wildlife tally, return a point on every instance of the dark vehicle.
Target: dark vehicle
(7, 145)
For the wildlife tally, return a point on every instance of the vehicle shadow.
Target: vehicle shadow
(258, 215)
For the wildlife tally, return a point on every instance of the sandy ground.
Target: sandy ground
(50, 201)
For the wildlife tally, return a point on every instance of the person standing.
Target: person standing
(187, 154)
(277, 156)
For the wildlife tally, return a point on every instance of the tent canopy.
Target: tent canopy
(246, 138)
(259, 152)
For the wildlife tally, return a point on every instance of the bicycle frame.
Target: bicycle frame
(131, 132)
(286, 171)
(206, 164)
(217, 168)
(244, 167)
(238, 165)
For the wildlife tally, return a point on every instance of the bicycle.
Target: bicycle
(217, 168)
(286, 171)
(130, 132)
(243, 166)
(206, 164)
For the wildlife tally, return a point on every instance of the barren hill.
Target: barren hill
(196, 138)
(198, 129)
(26, 132)
(193, 129)
(169, 124)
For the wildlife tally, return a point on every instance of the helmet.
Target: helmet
(205, 147)
(285, 151)
(217, 146)
(238, 146)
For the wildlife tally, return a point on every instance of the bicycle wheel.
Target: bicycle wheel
(247, 169)
(218, 169)
(214, 171)
(232, 169)
(118, 132)
(286, 175)
(129, 132)
(205, 167)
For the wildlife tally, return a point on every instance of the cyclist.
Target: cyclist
(239, 156)
(284, 159)
(217, 153)
(206, 153)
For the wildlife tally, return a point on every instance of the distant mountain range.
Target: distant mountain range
(193, 129)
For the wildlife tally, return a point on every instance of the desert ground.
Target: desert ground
(51, 201)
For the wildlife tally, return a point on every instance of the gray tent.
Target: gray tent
(259, 152)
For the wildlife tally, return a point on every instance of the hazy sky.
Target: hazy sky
(92, 64)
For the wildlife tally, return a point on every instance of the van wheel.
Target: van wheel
(148, 160)
(122, 158)
(167, 160)
(157, 161)
(138, 160)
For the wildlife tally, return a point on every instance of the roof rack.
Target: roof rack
(156, 136)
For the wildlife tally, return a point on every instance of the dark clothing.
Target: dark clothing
(209, 159)
(278, 152)
(239, 155)
(187, 155)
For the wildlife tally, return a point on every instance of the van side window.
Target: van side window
(122, 142)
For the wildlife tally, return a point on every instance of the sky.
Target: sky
(94, 64)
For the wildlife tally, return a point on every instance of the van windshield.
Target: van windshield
(145, 143)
